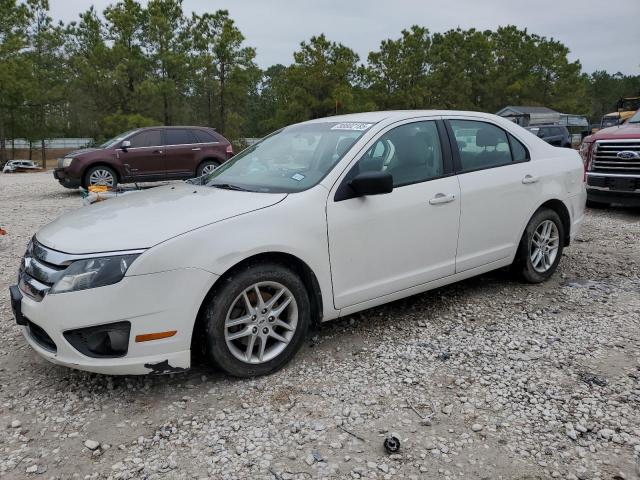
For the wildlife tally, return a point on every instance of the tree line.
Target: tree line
(132, 66)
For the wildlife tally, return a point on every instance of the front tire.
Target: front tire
(541, 247)
(257, 320)
(100, 175)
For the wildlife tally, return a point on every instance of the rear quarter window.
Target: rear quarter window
(206, 136)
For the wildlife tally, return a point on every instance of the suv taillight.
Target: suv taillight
(230, 150)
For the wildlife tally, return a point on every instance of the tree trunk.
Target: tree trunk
(44, 154)
(222, 112)
(209, 112)
(3, 144)
(165, 103)
(30, 150)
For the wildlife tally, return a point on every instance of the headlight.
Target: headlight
(67, 161)
(93, 272)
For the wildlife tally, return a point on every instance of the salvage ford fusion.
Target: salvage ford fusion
(318, 220)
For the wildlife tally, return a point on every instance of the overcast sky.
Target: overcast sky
(602, 34)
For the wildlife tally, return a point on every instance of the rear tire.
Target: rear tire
(100, 175)
(540, 248)
(206, 167)
(235, 330)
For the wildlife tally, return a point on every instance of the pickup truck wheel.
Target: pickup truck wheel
(541, 247)
(207, 167)
(100, 175)
(257, 320)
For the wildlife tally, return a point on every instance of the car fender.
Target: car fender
(250, 234)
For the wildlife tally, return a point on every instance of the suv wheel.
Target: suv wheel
(541, 247)
(257, 320)
(207, 167)
(100, 175)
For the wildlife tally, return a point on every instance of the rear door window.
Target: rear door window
(179, 136)
(480, 145)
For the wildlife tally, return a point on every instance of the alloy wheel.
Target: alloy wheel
(101, 177)
(207, 169)
(544, 246)
(261, 322)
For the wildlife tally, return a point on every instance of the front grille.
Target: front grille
(41, 267)
(41, 337)
(617, 156)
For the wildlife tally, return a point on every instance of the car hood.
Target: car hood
(624, 131)
(83, 151)
(144, 219)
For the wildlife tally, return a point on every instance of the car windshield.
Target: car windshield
(290, 160)
(635, 118)
(110, 143)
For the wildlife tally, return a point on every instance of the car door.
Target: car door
(182, 152)
(386, 243)
(499, 187)
(143, 160)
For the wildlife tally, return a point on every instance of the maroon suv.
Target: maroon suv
(146, 155)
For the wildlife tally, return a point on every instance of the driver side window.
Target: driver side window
(411, 153)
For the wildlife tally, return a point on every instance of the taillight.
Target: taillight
(230, 150)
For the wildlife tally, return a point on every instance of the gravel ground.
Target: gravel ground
(488, 378)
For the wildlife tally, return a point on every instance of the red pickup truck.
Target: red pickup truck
(612, 164)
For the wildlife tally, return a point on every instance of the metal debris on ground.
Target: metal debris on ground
(391, 444)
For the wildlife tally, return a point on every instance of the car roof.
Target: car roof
(171, 127)
(391, 115)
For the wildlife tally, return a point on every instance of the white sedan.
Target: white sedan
(318, 220)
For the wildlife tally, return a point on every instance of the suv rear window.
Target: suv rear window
(177, 136)
(205, 136)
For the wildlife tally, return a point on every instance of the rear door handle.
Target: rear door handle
(529, 179)
(196, 149)
(441, 198)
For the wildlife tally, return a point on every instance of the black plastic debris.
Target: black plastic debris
(391, 444)
(593, 379)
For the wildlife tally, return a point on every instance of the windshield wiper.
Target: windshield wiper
(228, 186)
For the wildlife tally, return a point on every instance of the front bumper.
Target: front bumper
(608, 188)
(151, 303)
(65, 180)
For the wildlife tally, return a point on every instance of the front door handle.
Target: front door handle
(196, 149)
(529, 179)
(157, 151)
(441, 198)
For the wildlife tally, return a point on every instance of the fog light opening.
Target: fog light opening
(101, 341)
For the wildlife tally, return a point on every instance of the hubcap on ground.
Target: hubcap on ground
(261, 322)
(543, 249)
(101, 177)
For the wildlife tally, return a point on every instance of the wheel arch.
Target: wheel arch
(561, 209)
(299, 266)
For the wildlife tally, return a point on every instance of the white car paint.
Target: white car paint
(363, 252)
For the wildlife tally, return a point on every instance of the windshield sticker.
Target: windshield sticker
(297, 177)
(352, 126)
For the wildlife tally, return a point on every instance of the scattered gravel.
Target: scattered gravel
(489, 378)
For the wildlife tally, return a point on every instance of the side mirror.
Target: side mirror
(372, 183)
(125, 144)
(540, 133)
